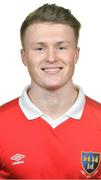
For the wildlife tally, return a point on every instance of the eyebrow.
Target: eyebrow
(62, 42)
(59, 43)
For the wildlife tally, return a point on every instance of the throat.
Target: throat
(57, 108)
(54, 105)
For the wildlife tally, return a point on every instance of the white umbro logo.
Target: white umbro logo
(16, 158)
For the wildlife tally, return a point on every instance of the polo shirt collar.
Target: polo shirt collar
(32, 112)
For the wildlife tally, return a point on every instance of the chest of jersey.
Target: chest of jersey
(33, 149)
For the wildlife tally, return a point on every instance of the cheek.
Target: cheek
(69, 57)
(69, 61)
(70, 66)
(31, 67)
(34, 68)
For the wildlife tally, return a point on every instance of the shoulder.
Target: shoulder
(93, 112)
(93, 104)
(9, 107)
(8, 115)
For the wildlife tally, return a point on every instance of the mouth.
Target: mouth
(51, 69)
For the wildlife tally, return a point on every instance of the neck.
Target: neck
(53, 103)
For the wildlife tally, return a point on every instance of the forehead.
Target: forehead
(49, 32)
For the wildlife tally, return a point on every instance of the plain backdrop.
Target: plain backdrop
(13, 74)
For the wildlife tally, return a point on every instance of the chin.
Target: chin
(52, 87)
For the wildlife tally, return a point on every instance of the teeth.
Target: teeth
(52, 70)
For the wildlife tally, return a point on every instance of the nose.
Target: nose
(51, 55)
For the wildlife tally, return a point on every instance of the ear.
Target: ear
(23, 57)
(77, 52)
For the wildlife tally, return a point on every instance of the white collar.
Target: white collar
(32, 112)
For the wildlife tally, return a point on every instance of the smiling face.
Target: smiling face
(50, 54)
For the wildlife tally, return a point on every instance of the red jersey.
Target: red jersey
(35, 150)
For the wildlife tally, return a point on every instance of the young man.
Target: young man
(53, 131)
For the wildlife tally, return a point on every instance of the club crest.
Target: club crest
(90, 161)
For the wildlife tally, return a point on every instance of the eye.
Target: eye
(61, 48)
(39, 49)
